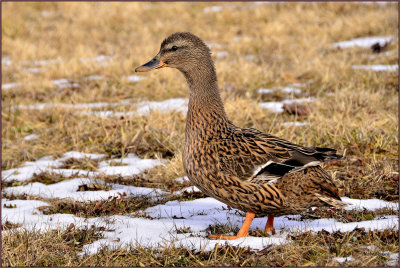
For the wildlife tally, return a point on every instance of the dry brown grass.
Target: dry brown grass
(307, 249)
(290, 43)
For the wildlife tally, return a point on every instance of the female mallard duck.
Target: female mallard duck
(241, 167)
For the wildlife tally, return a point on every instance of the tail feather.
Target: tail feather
(327, 154)
(332, 201)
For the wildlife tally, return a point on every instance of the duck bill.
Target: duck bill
(155, 63)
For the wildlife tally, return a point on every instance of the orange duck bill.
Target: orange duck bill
(155, 63)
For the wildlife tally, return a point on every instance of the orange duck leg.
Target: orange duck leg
(244, 230)
(269, 227)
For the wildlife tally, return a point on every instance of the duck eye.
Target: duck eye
(174, 48)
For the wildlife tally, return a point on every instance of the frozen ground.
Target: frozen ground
(163, 222)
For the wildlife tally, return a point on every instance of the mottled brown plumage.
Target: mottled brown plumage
(242, 167)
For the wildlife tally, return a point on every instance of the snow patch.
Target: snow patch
(128, 166)
(10, 85)
(31, 137)
(27, 170)
(40, 106)
(265, 91)
(364, 41)
(133, 78)
(394, 258)
(277, 106)
(182, 179)
(377, 68)
(291, 90)
(147, 107)
(6, 60)
(343, 259)
(79, 155)
(221, 54)
(212, 9)
(190, 189)
(31, 70)
(295, 123)
(68, 189)
(65, 83)
(95, 77)
(196, 215)
(27, 214)
(288, 90)
(177, 104)
(371, 204)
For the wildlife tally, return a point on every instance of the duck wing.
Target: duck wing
(259, 157)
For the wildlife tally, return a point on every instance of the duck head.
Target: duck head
(181, 50)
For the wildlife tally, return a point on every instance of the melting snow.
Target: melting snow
(31, 137)
(382, 3)
(212, 9)
(26, 213)
(95, 77)
(196, 215)
(295, 123)
(291, 90)
(69, 189)
(31, 70)
(41, 62)
(343, 259)
(182, 179)
(65, 83)
(100, 58)
(79, 155)
(40, 106)
(364, 42)
(213, 45)
(277, 106)
(190, 189)
(266, 91)
(133, 78)
(46, 13)
(6, 60)
(377, 68)
(177, 104)
(10, 85)
(371, 204)
(146, 107)
(221, 54)
(130, 165)
(394, 258)
(27, 170)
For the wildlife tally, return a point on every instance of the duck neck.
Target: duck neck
(205, 101)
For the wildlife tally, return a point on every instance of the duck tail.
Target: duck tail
(332, 201)
(327, 154)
